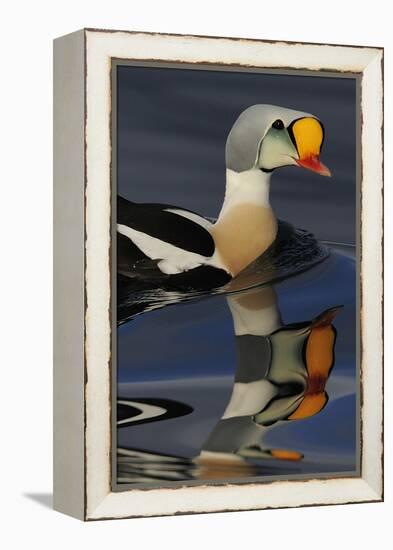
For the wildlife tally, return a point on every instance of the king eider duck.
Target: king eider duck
(186, 249)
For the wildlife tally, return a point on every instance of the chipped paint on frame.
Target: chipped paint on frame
(100, 48)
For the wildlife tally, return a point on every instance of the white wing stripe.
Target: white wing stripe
(191, 216)
(174, 259)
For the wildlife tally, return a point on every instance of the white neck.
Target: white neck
(246, 226)
(251, 186)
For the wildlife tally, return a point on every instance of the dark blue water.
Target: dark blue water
(172, 127)
(188, 353)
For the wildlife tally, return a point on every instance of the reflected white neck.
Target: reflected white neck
(251, 186)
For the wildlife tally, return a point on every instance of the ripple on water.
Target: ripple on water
(294, 251)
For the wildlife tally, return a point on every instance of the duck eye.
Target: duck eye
(278, 124)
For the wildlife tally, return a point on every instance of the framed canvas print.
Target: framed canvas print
(218, 274)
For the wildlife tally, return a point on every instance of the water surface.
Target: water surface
(189, 354)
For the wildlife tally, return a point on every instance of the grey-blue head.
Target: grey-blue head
(268, 137)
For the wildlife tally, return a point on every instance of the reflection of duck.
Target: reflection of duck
(147, 409)
(172, 242)
(307, 351)
(281, 375)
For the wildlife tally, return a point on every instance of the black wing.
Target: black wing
(154, 220)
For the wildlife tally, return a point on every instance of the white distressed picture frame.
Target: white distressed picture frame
(82, 336)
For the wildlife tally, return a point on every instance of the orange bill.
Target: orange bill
(308, 135)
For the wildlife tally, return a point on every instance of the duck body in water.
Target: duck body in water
(178, 248)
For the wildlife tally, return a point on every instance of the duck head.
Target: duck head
(269, 137)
